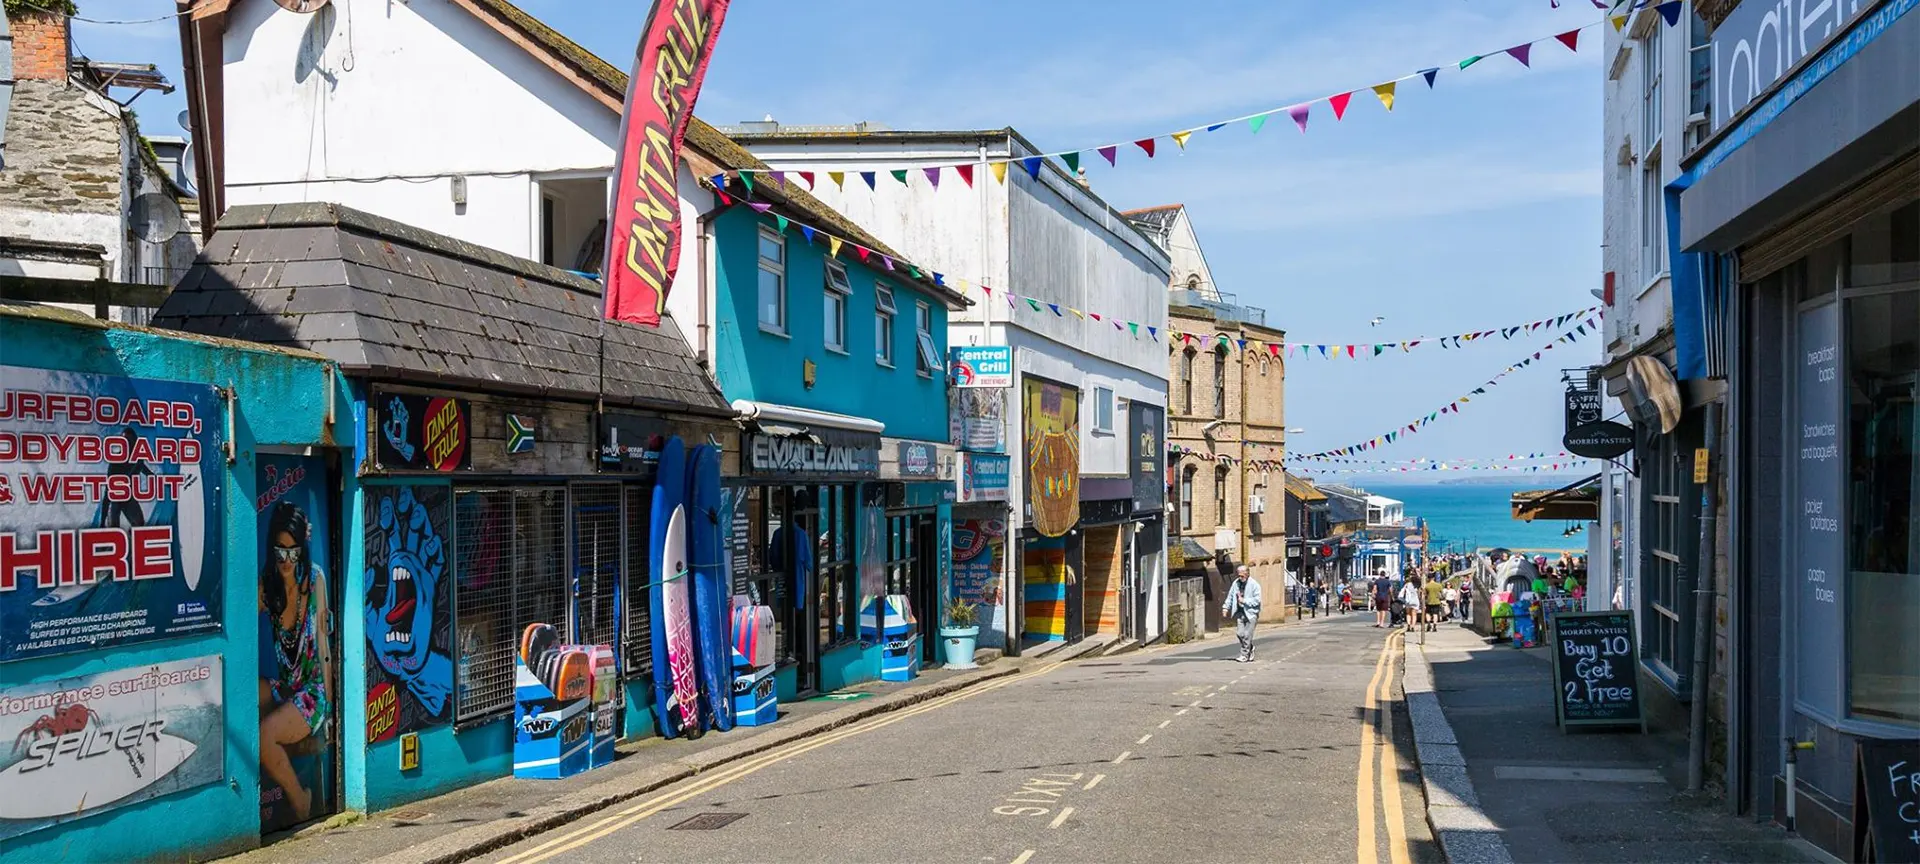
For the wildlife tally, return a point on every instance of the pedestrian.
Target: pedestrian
(1243, 606)
(1451, 597)
(1410, 599)
(1346, 598)
(1382, 600)
(1431, 595)
(1313, 600)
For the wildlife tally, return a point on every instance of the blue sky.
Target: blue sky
(1473, 206)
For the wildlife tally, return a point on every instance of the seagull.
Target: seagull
(1376, 321)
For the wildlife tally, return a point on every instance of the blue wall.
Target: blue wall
(752, 364)
(281, 400)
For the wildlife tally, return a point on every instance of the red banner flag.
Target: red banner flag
(643, 235)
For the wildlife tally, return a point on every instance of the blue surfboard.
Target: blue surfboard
(676, 700)
(712, 600)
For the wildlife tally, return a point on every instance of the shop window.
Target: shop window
(929, 354)
(1103, 410)
(1186, 497)
(883, 312)
(1220, 496)
(1670, 536)
(1186, 381)
(835, 312)
(638, 609)
(1883, 565)
(773, 282)
(510, 565)
(838, 592)
(1220, 381)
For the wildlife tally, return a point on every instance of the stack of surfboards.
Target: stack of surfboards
(754, 701)
(889, 621)
(563, 702)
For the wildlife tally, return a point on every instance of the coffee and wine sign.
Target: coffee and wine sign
(1595, 670)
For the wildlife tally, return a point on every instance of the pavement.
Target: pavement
(1504, 784)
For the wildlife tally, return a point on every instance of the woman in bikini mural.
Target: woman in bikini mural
(294, 701)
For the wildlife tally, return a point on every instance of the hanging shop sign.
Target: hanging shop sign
(823, 454)
(408, 609)
(977, 418)
(1595, 669)
(630, 443)
(1653, 396)
(1602, 440)
(1146, 425)
(980, 365)
(110, 503)
(93, 743)
(423, 433)
(985, 477)
(918, 460)
(1583, 406)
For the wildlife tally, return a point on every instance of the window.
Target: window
(1220, 381)
(1650, 64)
(1103, 410)
(549, 225)
(1653, 222)
(510, 548)
(834, 313)
(1220, 496)
(1670, 507)
(1699, 83)
(883, 325)
(1260, 495)
(773, 282)
(838, 590)
(1186, 497)
(929, 354)
(1186, 382)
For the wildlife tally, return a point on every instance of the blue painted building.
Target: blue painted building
(832, 350)
(132, 589)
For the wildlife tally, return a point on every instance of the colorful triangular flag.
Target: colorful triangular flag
(869, 177)
(1385, 93)
(1299, 114)
(933, 176)
(1470, 61)
(1147, 145)
(1073, 162)
(966, 174)
(1256, 121)
(839, 178)
(1032, 164)
(1670, 11)
(1339, 104)
(1520, 52)
(1571, 39)
(900, 175)
(1180, 138)
(1110, 153)
(1430, 73)
(833, 246)
(999, 171)
(780, 223)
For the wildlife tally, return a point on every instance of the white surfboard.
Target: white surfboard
(676, 612)
(190, 525)
(70, 785)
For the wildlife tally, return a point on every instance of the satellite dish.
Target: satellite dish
(301, 6)
(185, 120)
(189, 171)
(156, 218)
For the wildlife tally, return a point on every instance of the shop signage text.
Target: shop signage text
(985, 477)
(1759, 43)
(824, 454)
(109, 511)
(1145, 425)
(630, 442)
(1602, 440)
(98, 742)
(918, 459)
(423, 433)
(980, 365)
(1819, 546)
(1583, 407)
(1595, 671)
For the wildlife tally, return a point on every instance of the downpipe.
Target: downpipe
(1703, 605)
(1793, 789)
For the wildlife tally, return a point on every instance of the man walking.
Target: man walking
(1382, 601)
(1243, 606)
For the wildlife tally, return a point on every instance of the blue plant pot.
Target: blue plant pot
(957, 645)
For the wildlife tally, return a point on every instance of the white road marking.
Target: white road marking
(1164, 723)
(1144, 738)
(1062, 818)
(1194, 704)
(1023, 857)
(1181, 711)
(1122, 757)
(1094, 782)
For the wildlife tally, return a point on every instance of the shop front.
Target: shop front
(1051, 544)
(980, 539)
(918, 481)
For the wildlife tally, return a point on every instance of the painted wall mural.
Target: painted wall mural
(979, 553)
(1047, 578)
(408, 611)
(1051, 414)
(298, 675)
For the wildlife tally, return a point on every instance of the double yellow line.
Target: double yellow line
(1376, 732)
(608, 824)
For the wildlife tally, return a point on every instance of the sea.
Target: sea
(1480, 515)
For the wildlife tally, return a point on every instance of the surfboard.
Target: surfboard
(675, 689)
(712, 603)
(90, 784)
(190, 526)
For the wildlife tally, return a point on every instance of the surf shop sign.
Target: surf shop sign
(825, 453)
(98, 742)
(109, 511)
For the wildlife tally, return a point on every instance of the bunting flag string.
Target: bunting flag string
(1452, 407)
(1339, 103)
(1510, 457)
(1448, 466)
(1291, 347)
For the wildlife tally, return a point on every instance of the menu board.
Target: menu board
(1818, 550)
(1886, 801)
(1595, 670)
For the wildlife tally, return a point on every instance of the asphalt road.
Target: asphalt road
(1174, 754)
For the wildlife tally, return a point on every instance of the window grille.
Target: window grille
(510, 545)
(596, 562)
(639, 605)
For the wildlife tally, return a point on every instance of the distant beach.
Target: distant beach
(1479, 514)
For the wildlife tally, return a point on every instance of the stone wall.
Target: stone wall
(64, 152)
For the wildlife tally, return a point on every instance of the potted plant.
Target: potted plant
(960, 635)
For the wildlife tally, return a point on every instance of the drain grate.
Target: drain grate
(708, 822)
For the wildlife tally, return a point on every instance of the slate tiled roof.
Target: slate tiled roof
(394, 301)
(1156, 218)
(1303, 489)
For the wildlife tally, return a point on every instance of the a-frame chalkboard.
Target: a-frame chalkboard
(1596, 679)
(1886, 801)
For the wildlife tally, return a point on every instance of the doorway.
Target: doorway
(299, 647)
(912, 571)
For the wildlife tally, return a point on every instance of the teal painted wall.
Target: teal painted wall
(280, 400)
(753, 364)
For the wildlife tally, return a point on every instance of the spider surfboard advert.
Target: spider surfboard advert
(109, 511)
(75, 747)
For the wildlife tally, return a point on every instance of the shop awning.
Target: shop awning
(788, 419)
(1575, 502)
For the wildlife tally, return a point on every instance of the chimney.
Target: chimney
(39, 45)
